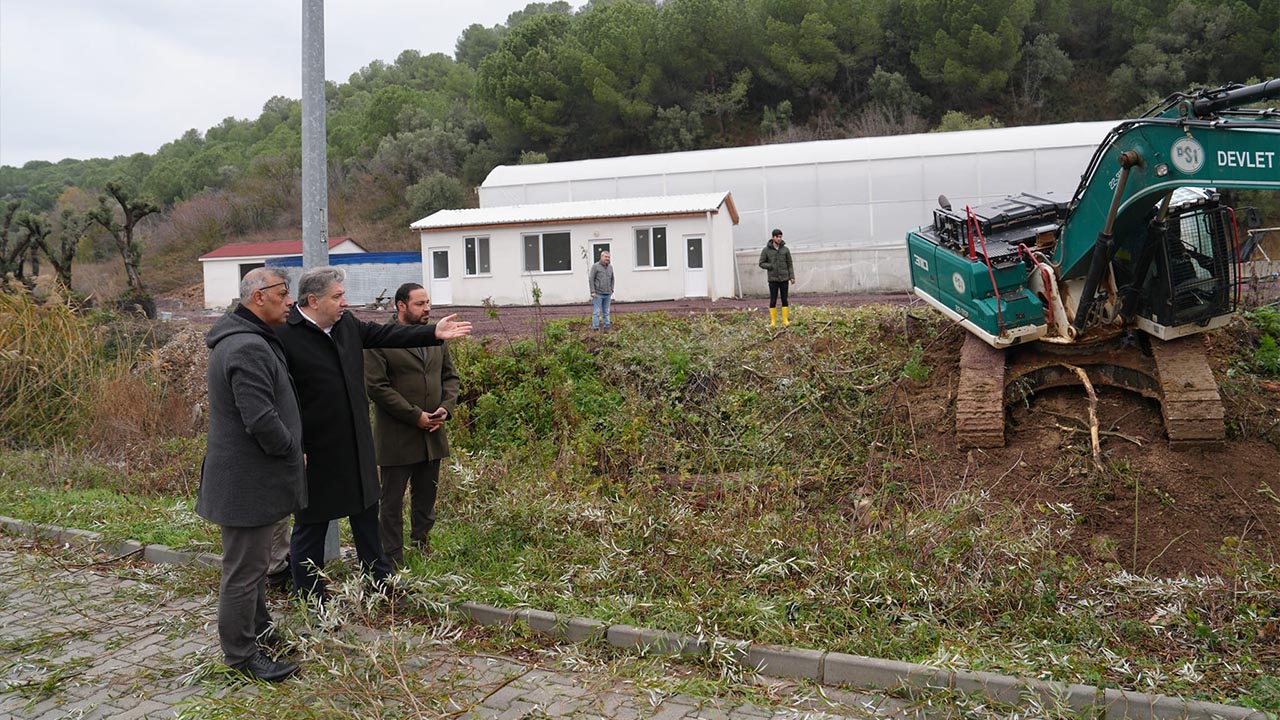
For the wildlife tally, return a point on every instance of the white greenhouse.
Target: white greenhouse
(845, 206)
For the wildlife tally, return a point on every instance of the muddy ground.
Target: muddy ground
(1156, 509)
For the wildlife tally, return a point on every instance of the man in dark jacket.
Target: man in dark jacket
(413, 392)
(252, 475)
(776, 260)
(323, 345)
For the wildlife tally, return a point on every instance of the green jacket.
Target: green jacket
(402, 383)
(777, 260)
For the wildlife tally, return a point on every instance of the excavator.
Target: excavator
(1115, 284)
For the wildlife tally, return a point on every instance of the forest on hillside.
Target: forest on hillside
(620, 77)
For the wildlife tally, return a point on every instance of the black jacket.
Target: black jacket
(328, 371)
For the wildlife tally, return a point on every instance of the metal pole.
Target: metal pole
(315, 171)
(315, 185)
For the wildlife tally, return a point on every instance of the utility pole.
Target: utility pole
(315, 168)
(315, 181)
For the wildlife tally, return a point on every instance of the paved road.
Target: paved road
(80, 638)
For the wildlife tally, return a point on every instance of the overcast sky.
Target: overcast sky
(100, 78)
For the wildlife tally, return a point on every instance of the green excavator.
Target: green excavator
(1118, 281)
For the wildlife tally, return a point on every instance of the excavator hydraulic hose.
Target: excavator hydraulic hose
(1105, 245)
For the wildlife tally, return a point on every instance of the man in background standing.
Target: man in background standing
(776, 261)
(600, 281)
(252, 477)
(413, 392)
(324, 346)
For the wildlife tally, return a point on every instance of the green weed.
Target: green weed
(46, 487)
(1266, 358)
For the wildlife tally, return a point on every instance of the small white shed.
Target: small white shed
(662, 248)
(226, 266)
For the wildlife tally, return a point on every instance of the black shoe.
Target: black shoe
(383, 586)
(261, 667)
(270, 639)
(281, 581)
(423, 546)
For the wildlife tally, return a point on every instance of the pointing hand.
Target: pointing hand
(448, 328)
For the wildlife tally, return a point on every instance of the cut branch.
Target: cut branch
(1093, 415)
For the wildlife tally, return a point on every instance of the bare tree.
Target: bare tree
(133, 209)
(37, 230)
(13, 245)
(68, 231)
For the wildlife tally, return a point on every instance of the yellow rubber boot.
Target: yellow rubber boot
(785, 321)
(773, 316)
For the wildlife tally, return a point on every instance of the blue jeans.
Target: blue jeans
(600, 309)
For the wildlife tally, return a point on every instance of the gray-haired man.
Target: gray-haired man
(324, 346)
(252, 476)
(600, 282)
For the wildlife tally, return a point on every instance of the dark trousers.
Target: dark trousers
(422, 480)
(242, 595)
(776, 288)
(306, 551)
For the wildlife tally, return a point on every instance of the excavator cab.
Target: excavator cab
(1190, 273)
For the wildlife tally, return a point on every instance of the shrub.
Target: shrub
(435, 192)
(66, 378)
(1266, 358)
(48, 357)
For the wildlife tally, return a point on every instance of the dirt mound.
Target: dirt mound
(188, 299)
(1156, 509)
(183, 360)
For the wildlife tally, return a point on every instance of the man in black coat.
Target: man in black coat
(324, 346)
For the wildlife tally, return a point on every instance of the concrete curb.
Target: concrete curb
(829, 668)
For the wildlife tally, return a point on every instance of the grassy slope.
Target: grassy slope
(702, 475)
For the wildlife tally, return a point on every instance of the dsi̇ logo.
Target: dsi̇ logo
(1188, 155)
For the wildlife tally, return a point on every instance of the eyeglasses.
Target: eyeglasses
(282, 283)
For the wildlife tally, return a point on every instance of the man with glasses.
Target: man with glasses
(252, 477)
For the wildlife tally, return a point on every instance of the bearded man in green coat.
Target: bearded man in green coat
(413, 392)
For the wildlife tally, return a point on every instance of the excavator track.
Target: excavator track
(1192, 407)
(1176, 374)
(980, 397)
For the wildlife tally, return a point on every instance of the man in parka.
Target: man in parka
(252, 476)
(776, 260)
(324, 345)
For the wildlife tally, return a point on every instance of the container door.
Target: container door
(441, 287)
(695, 272)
